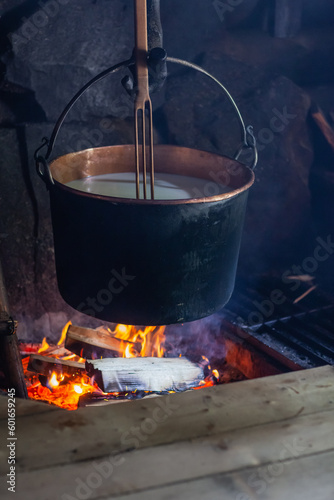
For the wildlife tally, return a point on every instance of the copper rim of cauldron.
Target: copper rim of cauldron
(168, 159)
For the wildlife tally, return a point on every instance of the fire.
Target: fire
(61, 341)
(208, 382)
(53, 381)
(151, 340)
(65, 390)
(44, 347)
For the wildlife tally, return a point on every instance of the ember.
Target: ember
(56, 373)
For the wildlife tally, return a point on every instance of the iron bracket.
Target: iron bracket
(7, 325)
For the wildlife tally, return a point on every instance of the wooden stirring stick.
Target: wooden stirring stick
(143, 101)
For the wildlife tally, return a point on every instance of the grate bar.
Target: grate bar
(302, 333)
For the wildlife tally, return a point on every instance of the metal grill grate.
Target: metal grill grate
(298, 335)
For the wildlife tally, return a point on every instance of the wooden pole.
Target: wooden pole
(10, 357)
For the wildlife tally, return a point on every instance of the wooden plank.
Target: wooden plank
(141, 470)
(305, 478)
(144, 374)
(26, 407)
(82, 435)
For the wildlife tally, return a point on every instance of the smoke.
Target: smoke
(196, 339)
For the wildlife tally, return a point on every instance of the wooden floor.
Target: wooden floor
(270, 438)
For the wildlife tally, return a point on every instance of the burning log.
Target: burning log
(97, 399)
(146, 374)
(56, 351)
(45, 365)
(85, 342)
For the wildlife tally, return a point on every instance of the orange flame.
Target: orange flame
(53, 381)
(44, 346)
(150, 340)
(61, 341)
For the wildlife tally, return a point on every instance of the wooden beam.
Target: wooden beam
(85, 342)
(10, 358)
(144, 374)
(45, 365)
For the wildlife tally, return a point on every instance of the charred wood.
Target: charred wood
(45, 365)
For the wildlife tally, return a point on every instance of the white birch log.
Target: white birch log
(144, 374)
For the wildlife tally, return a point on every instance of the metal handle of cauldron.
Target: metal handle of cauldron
(248, 140)
(42, 165)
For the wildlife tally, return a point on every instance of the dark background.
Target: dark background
(49, 49)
